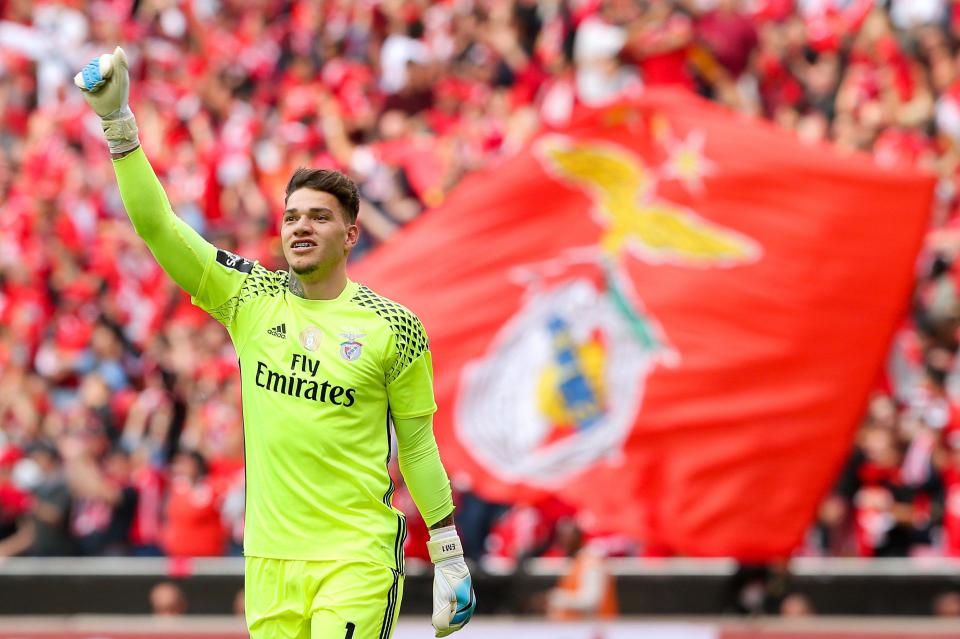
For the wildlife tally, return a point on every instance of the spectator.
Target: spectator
(587, 590)
(402, 50)
(105, 357)
(601, 76)
(44, 529)
(796, 605)
(233, 512)
(167, 600)
(105, 500)
(149, 481)
(947, 604)
(757, 589)
(661, 40)
(193, 526)
(239, 603)
(882, 501)
(729, 34)
(909, 14)
(951, 502)
(519, 531)
(14, 504)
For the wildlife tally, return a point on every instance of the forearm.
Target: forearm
(48, 513)
(18, 542)
(179, 249)
(85, 480)
(424, 473)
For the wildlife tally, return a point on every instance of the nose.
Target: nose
(301, 226)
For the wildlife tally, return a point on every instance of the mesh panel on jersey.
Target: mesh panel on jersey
(259, 282)
(408, 333)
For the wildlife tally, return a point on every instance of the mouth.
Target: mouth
(302, 246)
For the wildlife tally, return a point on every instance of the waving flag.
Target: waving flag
(667, 314)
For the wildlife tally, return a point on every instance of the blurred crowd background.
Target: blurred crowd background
(120, 425)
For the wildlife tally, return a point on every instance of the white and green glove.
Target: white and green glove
(453, 598)
(105, 84)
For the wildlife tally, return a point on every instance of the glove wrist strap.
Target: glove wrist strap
(444, 544)
(120, 129)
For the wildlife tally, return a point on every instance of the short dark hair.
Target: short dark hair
(198, 459)
(333, 182)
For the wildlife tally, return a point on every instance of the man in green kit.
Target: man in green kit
(326, 364)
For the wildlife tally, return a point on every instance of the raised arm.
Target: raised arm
(179, 249)
(181, 252)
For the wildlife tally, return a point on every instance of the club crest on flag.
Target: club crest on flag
(553, 395)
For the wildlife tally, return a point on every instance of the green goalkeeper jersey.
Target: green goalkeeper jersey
(320, 381)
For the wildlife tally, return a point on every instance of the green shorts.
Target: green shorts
(292, 599)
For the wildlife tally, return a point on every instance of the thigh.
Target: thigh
(356, 601)
(274, 599)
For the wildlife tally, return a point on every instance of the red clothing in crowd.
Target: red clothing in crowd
(951, 512)
(194, 527)
(13, 501)
(667, 67)
(147, 524)
(731, 37)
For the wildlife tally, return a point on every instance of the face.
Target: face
(315, 233)
(184, 467)
(117, 466)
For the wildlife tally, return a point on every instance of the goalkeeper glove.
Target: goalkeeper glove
(453, 598)
(105, 84)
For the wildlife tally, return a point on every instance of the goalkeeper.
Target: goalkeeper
(326, 364)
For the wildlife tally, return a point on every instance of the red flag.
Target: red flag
(670, 315)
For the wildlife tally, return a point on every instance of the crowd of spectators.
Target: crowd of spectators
(120, 430)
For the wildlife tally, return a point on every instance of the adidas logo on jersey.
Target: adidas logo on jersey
(278, 331)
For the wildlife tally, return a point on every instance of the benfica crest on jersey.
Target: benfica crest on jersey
(351, 349)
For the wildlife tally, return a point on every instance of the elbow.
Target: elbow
(144, 230)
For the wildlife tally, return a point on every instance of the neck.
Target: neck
(325, 288)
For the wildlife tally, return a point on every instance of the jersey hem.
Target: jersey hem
(363, 560)
(417, 413)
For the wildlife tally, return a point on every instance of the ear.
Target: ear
(353, 235)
